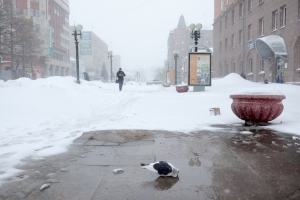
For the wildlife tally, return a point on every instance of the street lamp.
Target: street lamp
(77, 31)
(195, 34)
(110, 55)
(167, 65)
(176, 56)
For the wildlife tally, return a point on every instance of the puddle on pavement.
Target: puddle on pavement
(162, 183)
(275, 141)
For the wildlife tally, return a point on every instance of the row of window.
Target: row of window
(33, 12)
(63, 40)
(261, 28)
(282, 19)
(60, 57)
(64, 31)
(250, 65)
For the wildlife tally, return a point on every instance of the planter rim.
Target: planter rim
(257, 96)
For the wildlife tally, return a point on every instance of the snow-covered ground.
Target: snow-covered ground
(42, 117)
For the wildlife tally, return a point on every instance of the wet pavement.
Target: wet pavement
(236, 162)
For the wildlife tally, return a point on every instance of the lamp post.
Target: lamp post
(176, 56)
(195, 34)
(167, 70)
(110, 55)
(77, 31)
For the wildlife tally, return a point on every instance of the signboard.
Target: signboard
(86, 43)
(199, 69)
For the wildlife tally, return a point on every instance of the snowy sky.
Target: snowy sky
(138, 29)
(42, 117)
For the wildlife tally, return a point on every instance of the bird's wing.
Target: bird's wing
(163, 168)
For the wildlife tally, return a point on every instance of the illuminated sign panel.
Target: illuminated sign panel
(199, 69)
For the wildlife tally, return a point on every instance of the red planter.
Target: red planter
(183, 88)
(257, 109)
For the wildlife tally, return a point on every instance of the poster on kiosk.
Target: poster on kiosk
(199, 69)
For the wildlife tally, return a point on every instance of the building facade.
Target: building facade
(54, 23)
(240, 24)
(73, 69)
(116, 64)
(92, 50)
(51, 22)
(180, 40)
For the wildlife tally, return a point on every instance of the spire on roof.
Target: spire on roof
(181, 22)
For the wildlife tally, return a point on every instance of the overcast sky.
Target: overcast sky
(138, 30)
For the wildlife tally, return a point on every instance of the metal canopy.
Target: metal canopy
(269, 46)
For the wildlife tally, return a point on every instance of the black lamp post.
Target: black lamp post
(195, 34)
(77, 31)
(176, 56)
(110, 55)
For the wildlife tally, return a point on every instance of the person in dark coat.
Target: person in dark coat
(243, 75)
(120, 77)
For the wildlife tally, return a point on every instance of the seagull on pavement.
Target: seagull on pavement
(163, 168)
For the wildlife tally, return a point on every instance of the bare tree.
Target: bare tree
(104, 73)
(22, 42)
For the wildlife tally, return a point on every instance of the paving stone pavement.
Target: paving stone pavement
(235, 162)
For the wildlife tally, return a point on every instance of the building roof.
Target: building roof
(181, 23)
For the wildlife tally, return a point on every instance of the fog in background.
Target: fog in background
(138, 30)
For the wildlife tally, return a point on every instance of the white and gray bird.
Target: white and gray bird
(163, 168)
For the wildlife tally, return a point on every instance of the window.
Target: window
(260, 1)
(299, 10)
(232, 15)
(274, 20)
(232, 41)
(37, 13)
(37, 27)
(233, 67)
(220, 47)
(31, 12)
(249, 5)
(283, 16)
(24, 11)
(242, 66)
(226, 17)
(249, 32)
(220, 26)
(262, 65)
(241, 10)
(250, 65)
(241, 37)
(226, 43)
(261, 27)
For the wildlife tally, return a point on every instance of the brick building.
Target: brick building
(243, 27)
(51, 22)
(54, 21)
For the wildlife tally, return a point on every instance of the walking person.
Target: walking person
(120, 76)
